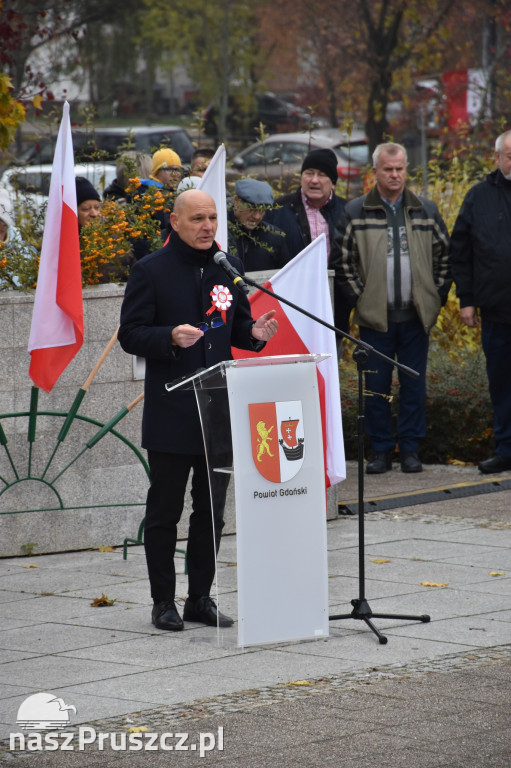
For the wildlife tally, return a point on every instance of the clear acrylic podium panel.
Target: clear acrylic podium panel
(212, 396)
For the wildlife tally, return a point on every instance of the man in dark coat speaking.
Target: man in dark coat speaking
(169, 295)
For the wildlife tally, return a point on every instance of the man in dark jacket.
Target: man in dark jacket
(481, 267)
(258, 244)
(170, 295)
(312, 210)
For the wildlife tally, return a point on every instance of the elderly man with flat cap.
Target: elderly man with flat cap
(169, 317)
(258, 244)
(312, 210)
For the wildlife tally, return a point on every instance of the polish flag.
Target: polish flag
(213, 182)
(304, 281)
(466, 97)
(56, 334)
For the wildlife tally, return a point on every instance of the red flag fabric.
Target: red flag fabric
(56, 333)
(304, 281)
(466, 97)
(456, 84)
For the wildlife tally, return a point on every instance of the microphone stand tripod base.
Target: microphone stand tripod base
(361, 609)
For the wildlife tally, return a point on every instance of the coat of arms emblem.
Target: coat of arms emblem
(278, 441)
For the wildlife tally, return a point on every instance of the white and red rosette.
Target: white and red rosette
(221, 299)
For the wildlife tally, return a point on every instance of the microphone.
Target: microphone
(221, 259)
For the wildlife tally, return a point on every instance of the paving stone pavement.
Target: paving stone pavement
(437, 694)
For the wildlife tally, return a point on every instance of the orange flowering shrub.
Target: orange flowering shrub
(106, 243)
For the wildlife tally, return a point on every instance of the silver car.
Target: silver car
(279, 159)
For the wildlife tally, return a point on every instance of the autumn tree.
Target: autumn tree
(60, 29)
(119, 66)
(12, 113)
(216, 41)
(26, 26)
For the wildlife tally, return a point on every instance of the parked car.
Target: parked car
(143, 139)
(280, 158)
(275, 113)
(32, 183)
(109, 141)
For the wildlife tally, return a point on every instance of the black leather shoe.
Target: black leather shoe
(165, 616)
(205, 611)
(410, 462)
(496, 463)
(380, 462)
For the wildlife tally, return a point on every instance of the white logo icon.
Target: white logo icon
(43, 711)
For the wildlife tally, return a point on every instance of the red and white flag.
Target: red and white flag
(304, 281)
(213, 182)
(56, 334)
(467, 97)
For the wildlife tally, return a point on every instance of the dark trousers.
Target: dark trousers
(408, 343)
(496, 340)
(165, 500)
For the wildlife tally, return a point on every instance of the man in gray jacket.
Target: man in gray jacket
(391, 264)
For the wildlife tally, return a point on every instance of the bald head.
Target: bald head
(191, 197)
(194, 218)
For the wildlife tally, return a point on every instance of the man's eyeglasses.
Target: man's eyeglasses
(215, 322)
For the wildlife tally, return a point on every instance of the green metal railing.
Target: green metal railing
(21, 475)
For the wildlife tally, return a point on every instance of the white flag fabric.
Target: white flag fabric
(304, 282)
(56, 333)
(213, 182)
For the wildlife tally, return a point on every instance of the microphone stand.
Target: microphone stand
(361, 609)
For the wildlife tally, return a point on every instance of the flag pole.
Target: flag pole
(103, 431)
(78, 399)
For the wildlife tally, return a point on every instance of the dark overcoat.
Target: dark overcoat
(167, 288)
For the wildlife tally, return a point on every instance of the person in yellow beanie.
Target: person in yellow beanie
(167, 169)
(165, 175)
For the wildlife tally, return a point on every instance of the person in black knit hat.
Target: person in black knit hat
(88, 201)
(312, 210)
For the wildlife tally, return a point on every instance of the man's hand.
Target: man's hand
(186, 335)
(265, 326)
(468, 316)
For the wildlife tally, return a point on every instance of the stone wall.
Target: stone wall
(98, 496)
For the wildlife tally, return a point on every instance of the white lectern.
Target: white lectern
(261, 420)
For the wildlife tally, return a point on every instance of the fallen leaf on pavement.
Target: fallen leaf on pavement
(379, 560)
(433, 584)
(100, 602)
(492, 573)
